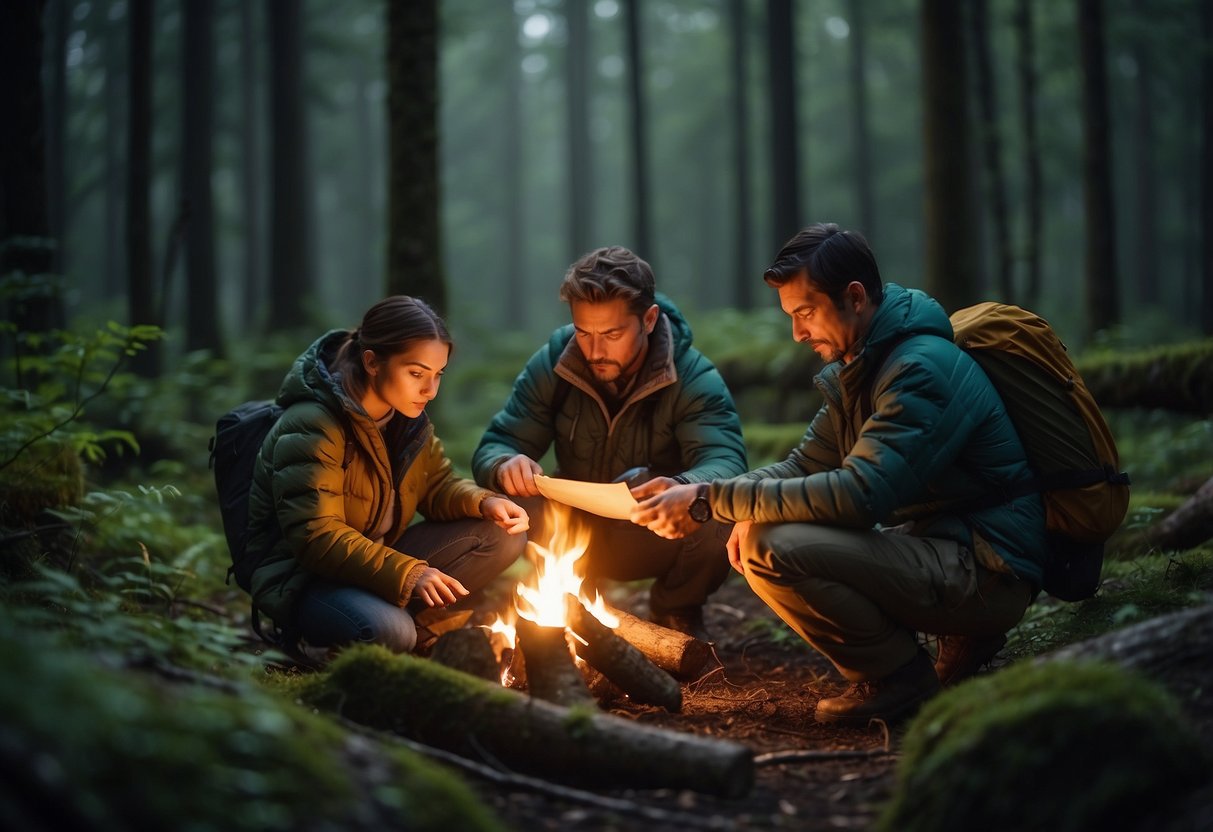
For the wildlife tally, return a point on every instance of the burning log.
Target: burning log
(429, 703)
(551, 673)
(678, 654)
(621, 662)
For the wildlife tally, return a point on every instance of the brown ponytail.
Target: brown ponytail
(388, 328)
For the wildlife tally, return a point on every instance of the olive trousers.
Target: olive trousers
(860, 597)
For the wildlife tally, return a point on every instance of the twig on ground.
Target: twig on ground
(522, 781)
(800, 755)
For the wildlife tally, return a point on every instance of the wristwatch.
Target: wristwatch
(700, 509)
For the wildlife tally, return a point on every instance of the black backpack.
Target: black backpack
(239, 435)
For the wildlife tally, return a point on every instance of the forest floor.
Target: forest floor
(763, 695)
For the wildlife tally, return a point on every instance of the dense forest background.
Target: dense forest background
(702, 134)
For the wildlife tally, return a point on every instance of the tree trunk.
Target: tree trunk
(290, 285)
(414, 263)
(513, 211)
(58, 15)
(951, 267)
(1102, 290)
(640, 167)
(1033, 221)
(253, 293)
(785, 128)
(141, 294)
(1151, 646)
(743, 278)
(1145, 277)
(577, 95)
(1206, 166)
(996, 190)
(1177, 378)
(24, 227)
(111, 282)
(1189, 525)
(198, 64)
(860, 132)
(426, 702)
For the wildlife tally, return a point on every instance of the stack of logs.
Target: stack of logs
(637, 658)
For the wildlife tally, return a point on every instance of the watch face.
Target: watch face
(700, 511)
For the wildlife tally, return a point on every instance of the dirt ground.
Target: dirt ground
(763, 695)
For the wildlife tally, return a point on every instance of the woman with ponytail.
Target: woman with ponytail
(341, 477)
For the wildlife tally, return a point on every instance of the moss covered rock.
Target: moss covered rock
(1055, 746)
(85, 747)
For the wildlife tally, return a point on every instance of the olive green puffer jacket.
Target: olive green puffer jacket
(310, 514)
(931, 430)
(678, 421)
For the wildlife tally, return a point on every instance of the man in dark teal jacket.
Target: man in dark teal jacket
(623, 396)
(908, 419)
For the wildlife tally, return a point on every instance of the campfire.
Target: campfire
(563, 645)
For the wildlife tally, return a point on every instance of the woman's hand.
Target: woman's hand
(505, 513)
(741, 530)
(437, 588)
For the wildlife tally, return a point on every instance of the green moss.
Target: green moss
(100, 750)
(1055, 746)
(579, 721)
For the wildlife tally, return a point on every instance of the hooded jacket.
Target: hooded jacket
(310, 514)
(679, 419)
(937, 432)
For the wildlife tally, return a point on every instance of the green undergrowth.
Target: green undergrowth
(88, 745)
(985, 755)
(1132, 591)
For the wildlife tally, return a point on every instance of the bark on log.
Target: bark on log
(1189, 525)
(467, 650)
(680, 655)
(551, 673)
(1178, 378)
(621, 662)
(1150, 646)
(429, 703)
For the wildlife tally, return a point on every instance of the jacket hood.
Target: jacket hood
(680, 330)
(907, 312)
(309, 378)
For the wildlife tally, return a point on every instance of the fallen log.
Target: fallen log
(679, 654)
(436, 705)
(621, 662)
(1189, 525)
(551, 673)
(1176, 377)
(1149, 646)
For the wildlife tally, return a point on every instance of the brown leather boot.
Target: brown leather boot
(895, 696)
(960, 657)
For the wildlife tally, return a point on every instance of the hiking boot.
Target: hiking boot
(688, 620)
(895, 696)
(960, 657)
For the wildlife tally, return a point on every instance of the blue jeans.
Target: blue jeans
(472, 551)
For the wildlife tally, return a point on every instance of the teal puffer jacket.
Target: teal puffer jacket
(938, 432)
(310, 514)
(679, 420)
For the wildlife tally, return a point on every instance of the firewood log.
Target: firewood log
(551, 673)
(620, 662)
(441, 707)
(678, 654)
(467, 650)
(1150, 646)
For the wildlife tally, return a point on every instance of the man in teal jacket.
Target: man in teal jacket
(623, 396)
(908, 419)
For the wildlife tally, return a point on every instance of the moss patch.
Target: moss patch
(1056, 746)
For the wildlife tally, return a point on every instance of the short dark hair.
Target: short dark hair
(831, 258)
(390, 327)
(608, 274)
